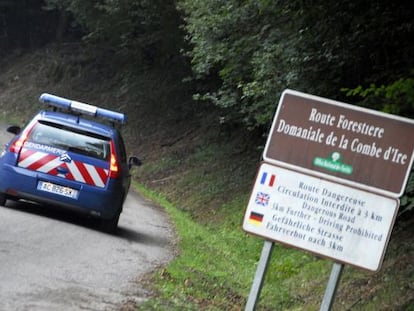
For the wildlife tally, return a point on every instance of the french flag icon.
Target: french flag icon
(268, 179)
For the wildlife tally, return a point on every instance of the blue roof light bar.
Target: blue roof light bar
(71, 105)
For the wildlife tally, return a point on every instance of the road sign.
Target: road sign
(344, 143)
(329, 219)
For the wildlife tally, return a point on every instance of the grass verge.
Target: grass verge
(216, 266)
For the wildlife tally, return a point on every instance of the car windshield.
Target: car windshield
(72, 140)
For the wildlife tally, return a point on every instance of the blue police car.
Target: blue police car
(65, 157)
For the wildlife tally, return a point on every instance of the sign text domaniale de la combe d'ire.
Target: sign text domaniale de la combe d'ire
(341, 142)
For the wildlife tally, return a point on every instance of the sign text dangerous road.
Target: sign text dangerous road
(326, 218)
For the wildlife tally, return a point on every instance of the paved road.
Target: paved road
(54, 260)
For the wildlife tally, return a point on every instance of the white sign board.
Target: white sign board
(326, 218)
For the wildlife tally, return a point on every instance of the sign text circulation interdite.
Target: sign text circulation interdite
(344, 143)
(323, 217)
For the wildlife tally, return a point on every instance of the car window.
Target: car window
(70, 139)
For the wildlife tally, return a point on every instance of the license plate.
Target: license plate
(57, 189)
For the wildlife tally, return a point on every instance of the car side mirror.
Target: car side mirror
(134, 161)
(14, 129)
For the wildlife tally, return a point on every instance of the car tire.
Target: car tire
(3, 198)
(109, 225)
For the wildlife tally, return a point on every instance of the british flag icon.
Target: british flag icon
(262, 199)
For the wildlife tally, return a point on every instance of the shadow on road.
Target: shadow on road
(78, 219)
(140, 237)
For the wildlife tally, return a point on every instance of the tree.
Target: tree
(23, 24)
(254, 49)
(143, 29)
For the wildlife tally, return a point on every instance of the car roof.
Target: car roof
(77, 122)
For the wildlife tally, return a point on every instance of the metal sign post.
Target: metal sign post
(259, 276)
(330, 292)
(329, 297)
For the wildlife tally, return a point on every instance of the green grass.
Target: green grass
(206, 193)
(216, 266)
(217, 260)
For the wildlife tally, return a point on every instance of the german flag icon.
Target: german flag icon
(255, 218)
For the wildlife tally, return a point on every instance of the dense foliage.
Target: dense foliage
(354, 51)
(144, 30)
(23, 24)
(257, 48)
(243, 53)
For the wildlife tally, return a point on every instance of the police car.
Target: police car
(65, 157)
